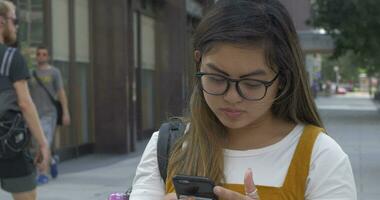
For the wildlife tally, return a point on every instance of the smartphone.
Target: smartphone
(196, 186)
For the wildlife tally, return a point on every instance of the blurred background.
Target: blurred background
(127, 67)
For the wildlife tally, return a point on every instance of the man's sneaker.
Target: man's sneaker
(42, 179)
(53, 168)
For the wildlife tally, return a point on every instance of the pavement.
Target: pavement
(92, 177)
(353, 120)
(360, 101)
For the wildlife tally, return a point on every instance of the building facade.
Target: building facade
(125, 63)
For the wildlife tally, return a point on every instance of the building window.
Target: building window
(31, 22)
(31, 28)
(60, 30)
(148, 62)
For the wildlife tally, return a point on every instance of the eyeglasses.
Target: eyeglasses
(249, 89)
(14, 20)
(41, 54)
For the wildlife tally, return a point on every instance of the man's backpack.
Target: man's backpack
(14, 135)
(169, 133)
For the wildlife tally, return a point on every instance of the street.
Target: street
(352, 120)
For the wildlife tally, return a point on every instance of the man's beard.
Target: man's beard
(9, 37)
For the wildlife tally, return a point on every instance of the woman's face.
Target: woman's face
(236, 62)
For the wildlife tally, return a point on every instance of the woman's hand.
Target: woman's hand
(250, 190)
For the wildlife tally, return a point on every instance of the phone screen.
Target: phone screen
(199, 187)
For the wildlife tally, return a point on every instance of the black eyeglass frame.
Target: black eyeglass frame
(266, 84)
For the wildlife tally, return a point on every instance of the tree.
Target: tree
(348, 68)
(355, 27)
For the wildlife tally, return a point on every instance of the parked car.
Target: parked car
(341, 90)
(349, 87)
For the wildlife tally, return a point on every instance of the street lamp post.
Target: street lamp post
(336, 69)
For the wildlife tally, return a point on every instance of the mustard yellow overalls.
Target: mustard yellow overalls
(295, 182)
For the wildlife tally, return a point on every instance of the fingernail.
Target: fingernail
(216, 189)
(248, 172)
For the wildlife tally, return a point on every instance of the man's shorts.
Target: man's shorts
(49, 123)
(18, 174)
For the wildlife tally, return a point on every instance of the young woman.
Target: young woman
(253, 126)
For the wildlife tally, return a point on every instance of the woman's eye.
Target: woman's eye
(252, 85)
(217, 79)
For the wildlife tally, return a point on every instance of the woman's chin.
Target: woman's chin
(236, 124)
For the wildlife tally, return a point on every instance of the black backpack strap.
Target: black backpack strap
(168, 134)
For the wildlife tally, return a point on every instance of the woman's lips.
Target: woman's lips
(232, 113)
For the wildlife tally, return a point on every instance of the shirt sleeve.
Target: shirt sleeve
(18, 70)
(148, 184)
(57, 81)
(330, 175)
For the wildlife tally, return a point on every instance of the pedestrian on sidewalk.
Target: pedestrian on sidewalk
(46, 87)
(253, 128)
(17, 168)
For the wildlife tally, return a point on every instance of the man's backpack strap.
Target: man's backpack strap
(168, 134)
(5, 65)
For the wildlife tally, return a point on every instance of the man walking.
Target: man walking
(17, 174)
(46, 85)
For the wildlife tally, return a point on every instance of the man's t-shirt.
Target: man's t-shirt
(21, 165)
(18, 70)
(52, 79)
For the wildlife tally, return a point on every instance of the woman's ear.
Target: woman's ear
(197, 56)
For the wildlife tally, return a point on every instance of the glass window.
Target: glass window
(30, 13)
(82, 50)
(31, 28)
(147, 71)
(60, 29)
(82, 31)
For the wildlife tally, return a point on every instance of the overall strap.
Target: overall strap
(298, 171)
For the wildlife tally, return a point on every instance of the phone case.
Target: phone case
(199, 187)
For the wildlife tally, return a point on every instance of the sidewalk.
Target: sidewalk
(352, 101)
(353, 121)
(90, 177)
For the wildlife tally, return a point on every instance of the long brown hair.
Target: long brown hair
(243, 22)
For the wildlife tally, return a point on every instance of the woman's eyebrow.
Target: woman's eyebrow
(254, 73)
(215, 68)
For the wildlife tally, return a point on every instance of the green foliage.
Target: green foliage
(28, 54)
(355, 27)
(349, 69)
